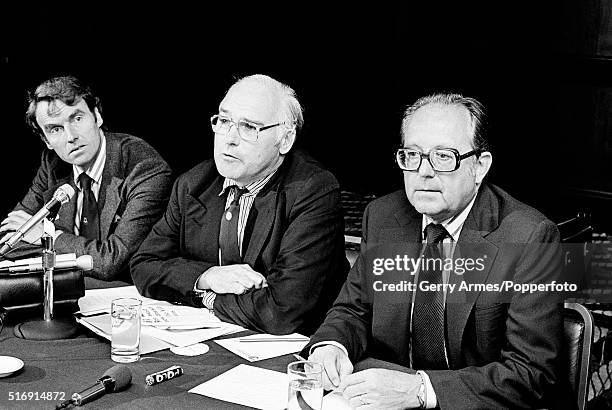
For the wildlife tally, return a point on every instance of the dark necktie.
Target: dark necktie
(90, 218)
(228, 233)
(428, 310)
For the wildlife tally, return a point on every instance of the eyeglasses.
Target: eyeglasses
(246, 130)
(441, 160)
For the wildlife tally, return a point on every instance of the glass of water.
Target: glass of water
(125, 334)
(305, 385)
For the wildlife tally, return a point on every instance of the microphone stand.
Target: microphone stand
(48, 328)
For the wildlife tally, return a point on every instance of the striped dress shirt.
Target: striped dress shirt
(95, 173)
(246, 203)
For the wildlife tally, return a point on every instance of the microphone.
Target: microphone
(114, 379)
(60, 196)
(84, 263)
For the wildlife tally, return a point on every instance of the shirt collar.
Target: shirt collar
(454, 224)
(253, 188)
(95, 170)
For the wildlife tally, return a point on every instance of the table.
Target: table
(69, 366)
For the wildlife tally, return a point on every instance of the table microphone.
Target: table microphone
(114, 379)
(60, 196)
(83, 262)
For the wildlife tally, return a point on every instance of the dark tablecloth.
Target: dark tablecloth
(71, 365)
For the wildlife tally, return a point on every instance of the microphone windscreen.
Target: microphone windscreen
(121, 374)
(67, 189)
(84, 262)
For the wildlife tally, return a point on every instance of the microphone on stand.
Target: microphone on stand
(114, 379)
(60, 196)
(84, 263)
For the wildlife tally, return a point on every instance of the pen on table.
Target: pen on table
(277, 339)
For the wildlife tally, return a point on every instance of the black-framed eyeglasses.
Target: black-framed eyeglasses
(246, 130)
(440, 159)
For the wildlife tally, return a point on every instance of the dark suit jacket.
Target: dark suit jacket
(502, 349)
(135, 186)
(294, 237)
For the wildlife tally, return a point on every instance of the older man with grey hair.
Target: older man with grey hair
(255, 234)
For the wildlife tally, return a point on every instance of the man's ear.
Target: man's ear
(99, 119)
(45, 140)
(286, 141)
(482, 166)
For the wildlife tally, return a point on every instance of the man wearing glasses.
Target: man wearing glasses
(425, 342)
(257, 234)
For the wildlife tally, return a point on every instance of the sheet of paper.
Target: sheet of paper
(335, 401)
(189, 337)
(178, 317)
(99, 300)
(101, 325)
(259, 388)
(254, 351)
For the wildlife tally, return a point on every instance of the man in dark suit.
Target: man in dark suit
(255, 234)
(122, 184)
(416, 345)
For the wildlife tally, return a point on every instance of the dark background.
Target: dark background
(544, 72)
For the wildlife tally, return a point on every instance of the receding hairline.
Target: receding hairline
(442, 105)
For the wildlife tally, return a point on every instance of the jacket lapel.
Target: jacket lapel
(472, 244)
(204, 213)
(109, 198)
(264, 212)
(110, 204)
(401, 236)
(65, 216)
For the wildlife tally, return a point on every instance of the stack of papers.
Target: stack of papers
(99, 300)
(164, 325)
(264, 346)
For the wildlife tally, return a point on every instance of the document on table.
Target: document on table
(99, 300)
(335, 401)
(101, 326)
(264, 346)
(259, 388)
(179, 337)
(164, 324)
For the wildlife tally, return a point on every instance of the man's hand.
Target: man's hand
(336, 365)
(13, 221)
(381, 389)
(235, 279)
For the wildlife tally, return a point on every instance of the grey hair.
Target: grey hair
(476, 110)
(291, 110)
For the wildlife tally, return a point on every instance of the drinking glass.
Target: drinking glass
(125, 323)
(305, 385)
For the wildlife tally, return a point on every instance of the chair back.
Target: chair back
(578, 331)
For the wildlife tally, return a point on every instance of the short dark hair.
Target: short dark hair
(68, 89)
(477, 112)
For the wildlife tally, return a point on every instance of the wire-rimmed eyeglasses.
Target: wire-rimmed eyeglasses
(440, 159)
(246, 130)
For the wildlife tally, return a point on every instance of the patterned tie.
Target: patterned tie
(228, 233)
(428, 311)
(90, 217)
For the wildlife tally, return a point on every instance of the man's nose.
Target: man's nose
(232, 135)
(426, 170)
(71, 135)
